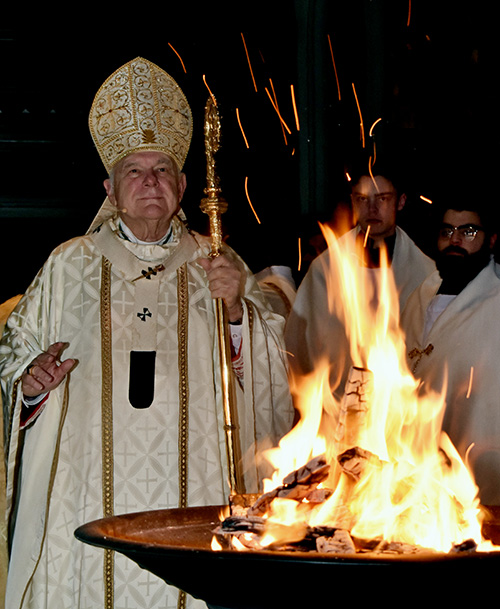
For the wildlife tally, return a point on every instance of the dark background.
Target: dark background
(428, 69)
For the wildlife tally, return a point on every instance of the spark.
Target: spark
(250, 202)
(370, 165)
(360, 116)
(300, 256)
(467, 452)
(275, 106)
(371, 128)
(366, 235)
(348, 177)
(370, 171)
(334, 66)
(284, 125)
(409, 14)
(470, 382)
(211, 94)
(241, 127)
(249, 63)
(180, 58)
(295, 108)
(426, 199)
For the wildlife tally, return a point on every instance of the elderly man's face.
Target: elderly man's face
(147, 190)
(375, 204)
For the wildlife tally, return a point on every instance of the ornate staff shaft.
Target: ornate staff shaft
(214, 205)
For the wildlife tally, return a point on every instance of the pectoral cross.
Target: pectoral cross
(151, 271)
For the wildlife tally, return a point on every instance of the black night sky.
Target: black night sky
(427, 69)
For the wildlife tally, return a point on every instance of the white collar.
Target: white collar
(128, 234)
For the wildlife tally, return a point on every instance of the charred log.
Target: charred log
(298, 485)
(339, 543)
(353, 462)
(469, 545)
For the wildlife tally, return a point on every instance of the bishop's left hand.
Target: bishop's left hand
(225, 280)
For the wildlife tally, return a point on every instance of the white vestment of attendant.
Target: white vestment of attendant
(460, 355)
(107, 297)
(315, 331)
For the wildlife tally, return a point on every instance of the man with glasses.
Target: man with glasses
(453, 343)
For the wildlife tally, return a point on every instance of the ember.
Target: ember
(250, 526)
(372, 471)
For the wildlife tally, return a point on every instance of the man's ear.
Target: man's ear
(493, 240)
(108, 187)
(181, 185)
(401, 202)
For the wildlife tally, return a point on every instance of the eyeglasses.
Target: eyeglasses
(466, 231)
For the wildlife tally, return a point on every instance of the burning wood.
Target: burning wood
(351, 459)
(354, 408)
(301, 485)
(339, 543)
(249, 525)
(320, 485)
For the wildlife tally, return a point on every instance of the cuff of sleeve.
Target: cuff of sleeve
(32, 407)
(237, 362)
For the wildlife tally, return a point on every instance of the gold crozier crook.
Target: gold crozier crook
(214, 205)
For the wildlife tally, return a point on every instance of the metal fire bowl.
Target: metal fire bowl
(175, 546)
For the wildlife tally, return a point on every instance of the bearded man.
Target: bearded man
(131, 419)
(453, 343)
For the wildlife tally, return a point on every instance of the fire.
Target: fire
(410, 486)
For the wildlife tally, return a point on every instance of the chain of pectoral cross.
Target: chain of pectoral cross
(419, 353)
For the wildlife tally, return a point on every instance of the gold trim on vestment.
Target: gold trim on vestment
(107, 424)
(13, 403)
(182, 339)
(250, 317)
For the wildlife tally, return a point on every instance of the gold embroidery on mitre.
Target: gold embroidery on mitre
(140, 108)
(148, 136)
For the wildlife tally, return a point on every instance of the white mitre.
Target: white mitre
(139, 108)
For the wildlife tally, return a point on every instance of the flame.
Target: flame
(414, 487)
(237, 544)
(215, 545)
(222, 515)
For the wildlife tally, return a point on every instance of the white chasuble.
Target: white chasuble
(140, 322)
(316, 329)
(458, 358)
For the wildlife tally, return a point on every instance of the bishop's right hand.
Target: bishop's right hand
(46, 371)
